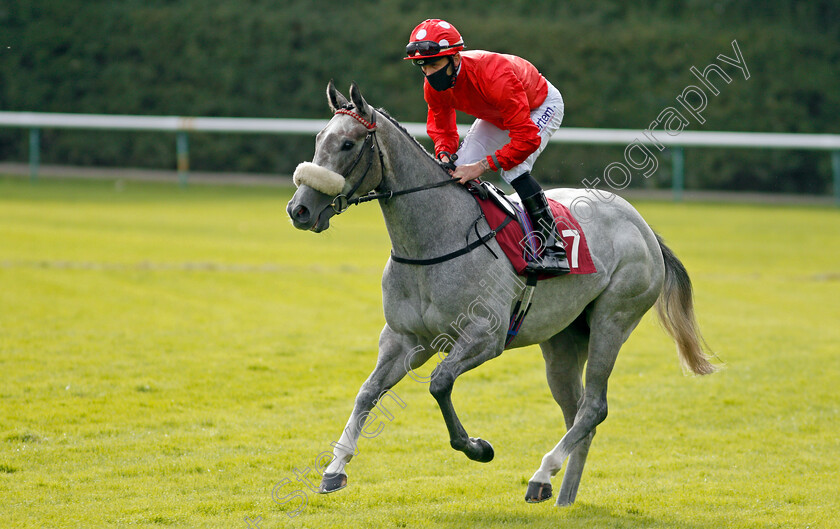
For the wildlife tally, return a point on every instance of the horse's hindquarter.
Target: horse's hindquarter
(615, 232)
(625, 253)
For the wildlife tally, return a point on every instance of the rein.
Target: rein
(379, 196)
(341, 202)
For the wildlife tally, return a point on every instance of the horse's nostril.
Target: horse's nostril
(302, 214)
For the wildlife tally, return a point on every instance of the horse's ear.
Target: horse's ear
(358, 101)
(334, 97)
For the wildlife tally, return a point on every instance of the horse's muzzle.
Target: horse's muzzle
(300, 216)
(310, 210)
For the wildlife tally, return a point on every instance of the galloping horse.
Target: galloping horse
(364, 154)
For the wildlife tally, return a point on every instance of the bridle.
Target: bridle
(342, 201)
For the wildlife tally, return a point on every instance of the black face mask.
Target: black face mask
(440, 80)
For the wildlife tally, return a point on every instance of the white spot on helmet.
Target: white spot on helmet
(444, 43)
(420, 34)
(444, 24)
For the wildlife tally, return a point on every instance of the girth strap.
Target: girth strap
(452, 255)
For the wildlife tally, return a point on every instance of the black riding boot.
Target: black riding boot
(553, 259)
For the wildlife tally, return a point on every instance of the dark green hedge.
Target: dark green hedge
(617, 64)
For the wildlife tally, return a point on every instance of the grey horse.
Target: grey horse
(456, 303)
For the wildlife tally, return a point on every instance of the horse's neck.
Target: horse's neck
(426, 223)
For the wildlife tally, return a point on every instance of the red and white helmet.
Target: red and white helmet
(433, 38)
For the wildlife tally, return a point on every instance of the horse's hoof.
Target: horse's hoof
(480, 450)
(537, 492)
(332, 483)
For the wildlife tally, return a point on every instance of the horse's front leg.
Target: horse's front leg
(464, 356)
(395, 357)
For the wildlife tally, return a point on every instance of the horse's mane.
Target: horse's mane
(405, 132)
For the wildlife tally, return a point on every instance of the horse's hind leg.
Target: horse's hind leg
(565, 355)
(396, 356)
(611, 317)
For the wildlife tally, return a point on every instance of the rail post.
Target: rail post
(34, 154)
(183, 152)
(678, 178)
(835, 169)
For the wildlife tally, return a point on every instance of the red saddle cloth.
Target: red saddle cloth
(519, 249)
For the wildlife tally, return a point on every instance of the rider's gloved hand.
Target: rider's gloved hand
(447, 161)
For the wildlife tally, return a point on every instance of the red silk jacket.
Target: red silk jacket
(501, 89)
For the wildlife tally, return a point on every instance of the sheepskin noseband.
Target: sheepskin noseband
(318, 178)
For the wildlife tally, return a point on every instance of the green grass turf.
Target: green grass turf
(169, 355)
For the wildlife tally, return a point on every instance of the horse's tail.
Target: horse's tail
(676, 312)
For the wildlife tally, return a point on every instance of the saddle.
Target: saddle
(520, 244)
(518, 239)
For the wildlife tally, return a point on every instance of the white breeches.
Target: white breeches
(484, 138)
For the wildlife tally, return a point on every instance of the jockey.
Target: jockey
(516, 110)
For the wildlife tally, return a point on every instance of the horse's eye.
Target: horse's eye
(347, 145)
